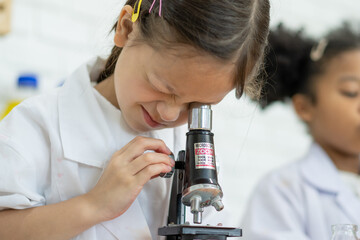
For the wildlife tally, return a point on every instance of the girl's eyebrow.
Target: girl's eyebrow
(349, 78)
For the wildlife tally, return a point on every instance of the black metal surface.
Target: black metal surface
(187, 232)
(176, 208)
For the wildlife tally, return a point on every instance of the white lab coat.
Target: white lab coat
(54, 147)
(301, 202)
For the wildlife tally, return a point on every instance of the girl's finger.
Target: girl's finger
(150, 172)
(148, 159)
(139, 145)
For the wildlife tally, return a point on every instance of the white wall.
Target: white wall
(53, 37)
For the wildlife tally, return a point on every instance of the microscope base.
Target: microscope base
(187, 232)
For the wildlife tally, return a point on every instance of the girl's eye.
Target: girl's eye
(350, 94)
(160, 90)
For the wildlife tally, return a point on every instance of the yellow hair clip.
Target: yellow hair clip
(135, 15)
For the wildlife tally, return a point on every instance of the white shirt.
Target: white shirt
(54, 147)
(352, 180)
(301, 201)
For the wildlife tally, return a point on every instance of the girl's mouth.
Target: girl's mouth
(149, 120)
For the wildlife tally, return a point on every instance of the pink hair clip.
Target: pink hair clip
(160, 6)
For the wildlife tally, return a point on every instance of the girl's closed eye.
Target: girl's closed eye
(349, 87)
(158, 85)
(163, 91)
(162, 88)
(350, 94)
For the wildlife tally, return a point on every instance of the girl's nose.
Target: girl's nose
(169, 112)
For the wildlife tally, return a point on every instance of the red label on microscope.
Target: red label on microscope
(204, 155)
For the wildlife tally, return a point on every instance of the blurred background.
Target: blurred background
(51, 38)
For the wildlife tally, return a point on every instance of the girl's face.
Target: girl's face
(154, 88)
(335, 116)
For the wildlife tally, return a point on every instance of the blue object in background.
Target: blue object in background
(27, 80)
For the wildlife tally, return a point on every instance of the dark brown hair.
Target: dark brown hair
(288, 66)
(225, 29)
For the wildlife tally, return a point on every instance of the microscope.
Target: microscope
(195, 183)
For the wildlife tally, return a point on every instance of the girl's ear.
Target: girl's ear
(303, 107)
(124, 26)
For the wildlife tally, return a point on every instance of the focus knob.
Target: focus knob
(168, 174)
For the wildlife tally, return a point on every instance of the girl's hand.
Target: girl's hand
(127, 172)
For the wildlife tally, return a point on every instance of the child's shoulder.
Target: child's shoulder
(40, 105)
(27, 127)
(286, 178)
(37, 112)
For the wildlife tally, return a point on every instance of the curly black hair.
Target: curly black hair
(288, 67)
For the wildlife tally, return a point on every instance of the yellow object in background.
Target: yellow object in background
(9, 106)
(5, 16)
(27, 86)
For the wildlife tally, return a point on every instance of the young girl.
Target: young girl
(303, 200)
(78, 162)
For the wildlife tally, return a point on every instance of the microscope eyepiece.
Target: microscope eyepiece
(200, 117)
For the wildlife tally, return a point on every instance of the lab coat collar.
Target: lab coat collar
(80, 114)
(319, 171)
(327, 179)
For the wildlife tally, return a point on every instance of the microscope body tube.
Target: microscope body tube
(201, 187)
(200, 158)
